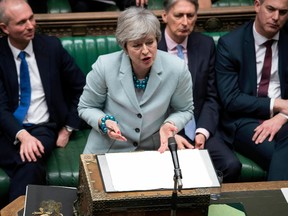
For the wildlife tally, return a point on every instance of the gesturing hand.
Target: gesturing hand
(167, 130)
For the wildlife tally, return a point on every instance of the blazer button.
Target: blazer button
(137, 130)
(135, 144)
(139, 115)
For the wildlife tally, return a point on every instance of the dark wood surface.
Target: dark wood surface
(259, 198)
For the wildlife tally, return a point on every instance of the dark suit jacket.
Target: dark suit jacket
(237, 78)
(62, 81)
(201, 57)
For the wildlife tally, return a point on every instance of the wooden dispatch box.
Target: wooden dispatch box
(93, 200)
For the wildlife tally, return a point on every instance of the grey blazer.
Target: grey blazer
(110, 90)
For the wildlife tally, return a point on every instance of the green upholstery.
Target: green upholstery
(250, 170)
(58, 6)
(232, 3)
(215, 35)
(155, 4)
(63, 6)
(86, 50)
(63, 164)
(4, 183)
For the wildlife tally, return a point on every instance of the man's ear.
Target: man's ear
(3, 27)
(164, 16)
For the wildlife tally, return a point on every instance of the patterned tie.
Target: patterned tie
(266, 70)
(25, 89)
(180, 53)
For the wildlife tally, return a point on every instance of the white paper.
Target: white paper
(285, 193)
(151, 170)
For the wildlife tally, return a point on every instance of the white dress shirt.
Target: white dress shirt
(38, 109)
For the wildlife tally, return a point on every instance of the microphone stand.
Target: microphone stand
(177, 175)
(177, 187)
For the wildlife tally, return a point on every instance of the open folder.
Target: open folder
(152, 170)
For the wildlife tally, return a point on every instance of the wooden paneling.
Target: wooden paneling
(104, 23)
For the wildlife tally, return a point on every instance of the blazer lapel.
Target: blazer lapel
(126, 81)
(249, 69)
(154, 80)
(192, 57)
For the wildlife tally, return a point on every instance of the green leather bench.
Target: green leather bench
(63, 165)
(63, 6)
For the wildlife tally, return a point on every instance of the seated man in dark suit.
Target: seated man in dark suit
(40, 86)
(180, 17)
(252, 78)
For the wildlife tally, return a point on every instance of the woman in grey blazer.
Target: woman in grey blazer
(136, 98)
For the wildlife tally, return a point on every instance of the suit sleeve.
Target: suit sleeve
(182, 100)
(234, 82)
(8, 123)
(209, 114)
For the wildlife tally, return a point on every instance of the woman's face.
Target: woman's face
(142, 53)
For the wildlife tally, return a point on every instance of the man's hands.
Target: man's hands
(63, 138)
(30, 147)
(200, 140)
(182, 143)
(268, 128)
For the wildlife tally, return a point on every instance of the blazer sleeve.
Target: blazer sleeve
(182, 100)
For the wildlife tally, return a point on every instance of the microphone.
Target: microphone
(173, 149)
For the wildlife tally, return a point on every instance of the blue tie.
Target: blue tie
(25, 89)
(190, 127)
(180, 51)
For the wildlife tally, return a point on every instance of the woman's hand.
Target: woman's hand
(167, 130)
(114, 131)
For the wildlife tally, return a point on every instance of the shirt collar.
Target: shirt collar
(16, 51)
(171, 44)
(259, 39)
